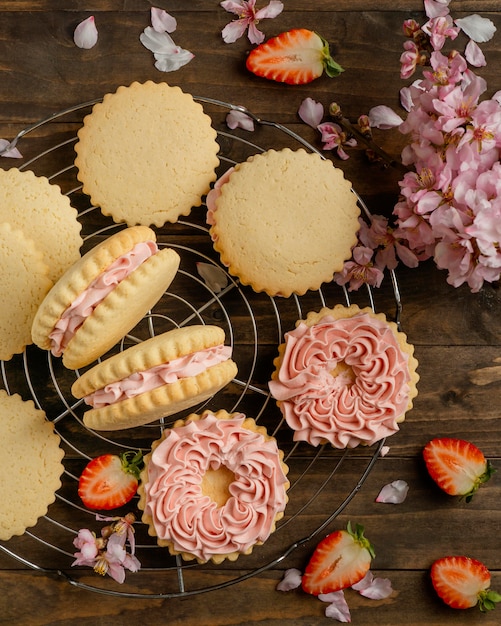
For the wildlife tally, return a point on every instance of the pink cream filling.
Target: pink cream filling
(361, 404)
(164, 374)
(194, 523)
(83, 306)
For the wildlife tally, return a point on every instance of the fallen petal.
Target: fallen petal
(393, 493)
(239, 119)
(173, 61)
(478, 28)
(384, 450)
(158, 43)
(338, 607)
(12, 153)
(311, 112)
(215, 277)
(384, 118)
(162, 22)
(85, 35)
(374, 588)
(291, 580)
(474, 55)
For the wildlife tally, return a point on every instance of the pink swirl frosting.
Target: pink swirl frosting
(146, 380)
(360, 405)
(83, 306)
(191, 520)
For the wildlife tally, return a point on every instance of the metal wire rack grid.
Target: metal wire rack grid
(48, 547)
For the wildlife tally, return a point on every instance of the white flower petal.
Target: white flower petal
(162, 22)
(13, 153)
(311, 112)
(85, 35)
(474, 55)
(239, 119)
(215, 277)
(291, 580)
(158, 43)
(374, 588)
(173, 61)
(393, 493)
(384, 450)
(383, 117)
(338, 608)
(478, 28)
(271, 10)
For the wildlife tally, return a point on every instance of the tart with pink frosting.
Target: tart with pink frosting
(156, 378)
(344, 376)
(102, 296)
(213, 487)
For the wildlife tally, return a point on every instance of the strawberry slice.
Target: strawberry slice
(339, 561)
(457, 466)
(110, 480)
(462, 582)
(295, 57)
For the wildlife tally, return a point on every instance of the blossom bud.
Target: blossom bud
(410, 27)
(365, 126)
(335, 111)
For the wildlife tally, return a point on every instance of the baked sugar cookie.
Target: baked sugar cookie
(283, 221)
(147, 154)
(39, 208)
(24, 283)
(32, 472)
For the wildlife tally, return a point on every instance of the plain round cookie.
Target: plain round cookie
(39, 208)
(31, 473)
(147, 154)
(24, 283)
(285, 221)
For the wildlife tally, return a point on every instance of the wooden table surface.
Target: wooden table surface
(457, 334)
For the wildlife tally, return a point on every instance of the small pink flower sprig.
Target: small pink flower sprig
(108, 553)
(450, 194)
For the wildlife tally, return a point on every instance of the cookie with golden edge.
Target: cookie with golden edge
(104, 322)
(236, 508)
(147, 154)
(39, 208)
(198, 363)
(24, 281)
(32, 475)
(376, 375)
(284, 221)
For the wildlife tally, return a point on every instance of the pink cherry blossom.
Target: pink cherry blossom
(85, 34)
(248, 18)
(87, 546)
(334, 138)
(440, 29)
(360, 270)
(410, 59)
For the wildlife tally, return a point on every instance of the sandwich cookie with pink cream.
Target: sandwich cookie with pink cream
(156, 378)
(102, 296)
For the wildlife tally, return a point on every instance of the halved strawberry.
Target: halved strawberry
(339, 561)
(462, 582)
(110, 480)
(457, 466)
(295, 57)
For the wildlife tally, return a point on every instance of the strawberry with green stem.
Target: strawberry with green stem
(109, 481)
(339, 561)
(462, 583)
(457, 466)
(295, 57)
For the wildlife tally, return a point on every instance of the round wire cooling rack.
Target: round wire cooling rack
(322, 480)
